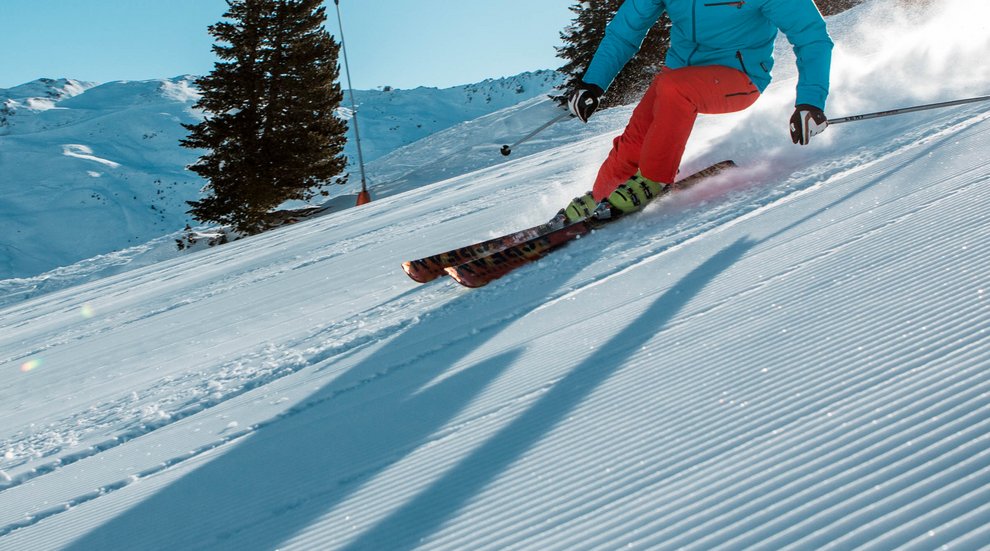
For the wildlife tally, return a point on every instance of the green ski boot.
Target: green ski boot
(635, 193)
(580, 208)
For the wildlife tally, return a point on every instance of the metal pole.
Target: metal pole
(507, 149)
(906, 110)
(364, 196)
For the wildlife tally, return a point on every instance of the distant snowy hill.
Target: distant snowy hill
(90, 169)
(87, 170)
(39, 95)
(397, 117)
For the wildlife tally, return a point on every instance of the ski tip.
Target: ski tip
(417, 275)
(458, 277)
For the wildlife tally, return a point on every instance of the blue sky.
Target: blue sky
(401, 43)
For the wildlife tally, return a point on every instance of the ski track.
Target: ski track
(735, 210)
(174, 390)
(322, 357)
(854, 397)
(754, 498)
(922, 399)
(972, 411)
(192, 389)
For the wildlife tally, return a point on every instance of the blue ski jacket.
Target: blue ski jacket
(738, 34)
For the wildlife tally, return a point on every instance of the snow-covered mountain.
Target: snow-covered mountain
(89, 170)
(392, 118)
(791, 356)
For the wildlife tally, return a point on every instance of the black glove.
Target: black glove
(584, 100)
(807, 121)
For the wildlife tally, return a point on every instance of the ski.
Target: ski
(431, 267)
(482, 270)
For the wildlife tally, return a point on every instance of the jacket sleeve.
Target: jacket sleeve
(623, 37)
(802, 24)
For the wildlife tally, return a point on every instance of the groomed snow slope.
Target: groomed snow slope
(791, 356)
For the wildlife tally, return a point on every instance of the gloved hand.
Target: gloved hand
(807, 121)
(584, 100)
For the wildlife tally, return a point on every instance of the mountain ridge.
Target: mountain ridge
(92, 169)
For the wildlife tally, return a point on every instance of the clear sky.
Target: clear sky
(401, 43)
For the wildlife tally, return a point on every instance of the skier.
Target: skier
(719, 61)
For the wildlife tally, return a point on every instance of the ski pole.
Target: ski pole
(906, 110)
(507, 149)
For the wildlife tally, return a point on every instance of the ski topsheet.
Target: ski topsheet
(476, 264)
(431, 267)
(480, 271)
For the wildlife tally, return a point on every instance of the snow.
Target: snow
(58, 137)
(790, 356)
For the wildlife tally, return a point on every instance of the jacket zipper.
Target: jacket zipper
(737, 3)
(741, 62)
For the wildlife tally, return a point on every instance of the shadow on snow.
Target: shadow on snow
(253, 490)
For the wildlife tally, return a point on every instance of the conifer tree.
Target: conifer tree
(581, 39)
(832, 7)
(271, 131)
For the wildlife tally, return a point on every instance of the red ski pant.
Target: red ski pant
(654, 140)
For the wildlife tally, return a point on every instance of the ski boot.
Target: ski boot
(580, 208)
(584, 207)
(630, 196)
(635, 193)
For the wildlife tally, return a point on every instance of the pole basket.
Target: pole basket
(363, 197)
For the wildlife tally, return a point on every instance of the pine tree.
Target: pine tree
(271, 130)
(832, 7)
(581, 39)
